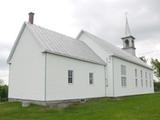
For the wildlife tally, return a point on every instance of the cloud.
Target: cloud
(3, 64)
(104, 18)
(4, 52)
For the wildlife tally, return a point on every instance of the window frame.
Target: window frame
(146, 79)
(141, 72)
(123, 76)
(70, 76)
(91, 78)
(136, 77)
(123, 70)
(124, 81)
(150, 79)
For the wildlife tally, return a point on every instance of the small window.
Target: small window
(127, 43)
(90, 78)
(146, 83)
(123, 70)
(146, 77)
(135, 72)
(123, 76)
(123, 81)
(141, 78)
(141, 74)
(150, 80)
(136, 82)
(70, 76)
(141, 82)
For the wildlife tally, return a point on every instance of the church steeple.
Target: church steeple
(127, 28)
(128, 40)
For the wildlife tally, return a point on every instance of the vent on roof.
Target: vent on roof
(31, 17)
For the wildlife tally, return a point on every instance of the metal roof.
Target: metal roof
(115, 51)
(56, 43)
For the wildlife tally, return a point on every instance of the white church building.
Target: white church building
(46, 66)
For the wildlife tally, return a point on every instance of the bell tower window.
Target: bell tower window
(127, 43)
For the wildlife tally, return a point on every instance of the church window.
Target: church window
(141, 78)
(123, 76)
(146, 78)
(70, 76)
(90, 78)
(150, 80)
(136, 80)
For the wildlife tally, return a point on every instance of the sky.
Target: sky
(103, 18)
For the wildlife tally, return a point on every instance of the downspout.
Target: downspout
(113, 77)
(45, 76)
(9, 80)
(105, 80)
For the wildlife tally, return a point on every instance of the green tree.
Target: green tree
(3, 92)
(156, 66)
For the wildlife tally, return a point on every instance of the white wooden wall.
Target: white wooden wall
(131, 88)
(26, 79)
(57, 87)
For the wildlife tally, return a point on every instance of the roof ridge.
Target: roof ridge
(110, 44)
(117, 48)
(51, 30)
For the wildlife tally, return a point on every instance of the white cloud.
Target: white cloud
(104, 18)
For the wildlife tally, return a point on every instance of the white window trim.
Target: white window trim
(146, 79)
(92, 78)
(136, 77)
(150, 80)
(123, 75)
(141, 72)
(72, 77)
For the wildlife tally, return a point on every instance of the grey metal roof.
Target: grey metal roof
(59, 44)
(115, 51)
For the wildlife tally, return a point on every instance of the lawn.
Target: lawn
(145, 107)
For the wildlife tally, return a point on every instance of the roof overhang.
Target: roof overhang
(130, 36)
(145, 66)
(72, 57)
(16, 43)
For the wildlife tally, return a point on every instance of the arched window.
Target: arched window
(127, 43)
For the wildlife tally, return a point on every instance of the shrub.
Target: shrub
(3, 93)
(157, 86)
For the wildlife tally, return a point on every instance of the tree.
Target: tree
(3, 92)
(156, 66)
(1, 82)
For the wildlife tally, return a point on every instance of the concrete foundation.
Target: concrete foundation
(50, 104)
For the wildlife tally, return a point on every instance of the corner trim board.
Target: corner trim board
(113, 76)
(45, 79)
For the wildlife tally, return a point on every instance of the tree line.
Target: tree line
(3, 93)
(156, 67)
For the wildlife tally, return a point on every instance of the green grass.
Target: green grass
(145, 107)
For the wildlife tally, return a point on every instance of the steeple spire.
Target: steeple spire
(127, 28)
(128, 40)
